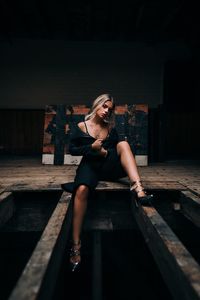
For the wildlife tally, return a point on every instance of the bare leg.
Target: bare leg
(128, 162)
(79, 210)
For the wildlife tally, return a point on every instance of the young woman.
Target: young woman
(104, 158)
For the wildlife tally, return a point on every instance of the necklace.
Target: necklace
(96, 132)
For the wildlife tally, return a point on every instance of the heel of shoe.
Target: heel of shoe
(74, 266)
(146, 200)
(136, 188)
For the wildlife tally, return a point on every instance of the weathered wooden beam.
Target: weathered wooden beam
(1, 190)
(190, 206)
(178, 268)
(48, 186)
(164, 185)
(7, 207)
(39, 276)
(121, 185)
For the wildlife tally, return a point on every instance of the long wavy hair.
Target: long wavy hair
(97, 103)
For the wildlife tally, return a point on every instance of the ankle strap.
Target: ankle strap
(137, 186)
(136, 183)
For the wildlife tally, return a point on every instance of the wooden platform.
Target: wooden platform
(181, 272)
(30, 174)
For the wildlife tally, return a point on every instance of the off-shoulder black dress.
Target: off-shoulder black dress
(93, 167)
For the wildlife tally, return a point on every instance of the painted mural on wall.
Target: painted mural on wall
(131, 122)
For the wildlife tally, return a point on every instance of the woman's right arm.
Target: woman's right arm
(80, 150)
(75, 147)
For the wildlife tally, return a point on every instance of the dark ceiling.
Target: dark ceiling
(102, 20)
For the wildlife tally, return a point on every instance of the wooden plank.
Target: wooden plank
(190, 206)
(2, 190)
(163, 185)
(41, 186)
(178, 268)
(7, 207)
(35, 187)
(141, 160)
(120, 185)
(39, 276)
(25, 171)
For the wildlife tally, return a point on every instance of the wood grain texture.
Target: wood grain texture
(7, 207)
(190, 206)
(39, 276)
(178, 268)
(25, 172)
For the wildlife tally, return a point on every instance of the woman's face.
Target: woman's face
(104, 111)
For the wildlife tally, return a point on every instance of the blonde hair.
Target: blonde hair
(97, 103)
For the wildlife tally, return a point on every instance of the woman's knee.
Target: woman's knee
(82, 191)
(123, 145)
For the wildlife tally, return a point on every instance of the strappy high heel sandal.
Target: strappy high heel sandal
(136, 188)
(75, 252)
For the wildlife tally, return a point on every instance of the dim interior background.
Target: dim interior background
(70, 52)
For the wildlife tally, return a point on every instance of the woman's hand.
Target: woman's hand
(97, 145)
(103, 152)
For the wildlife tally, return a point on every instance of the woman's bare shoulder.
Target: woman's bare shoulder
(81, 125)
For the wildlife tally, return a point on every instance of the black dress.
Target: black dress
(93, 167)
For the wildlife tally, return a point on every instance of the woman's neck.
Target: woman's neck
(97, 121)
